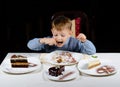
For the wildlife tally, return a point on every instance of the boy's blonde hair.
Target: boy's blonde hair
(60, 22)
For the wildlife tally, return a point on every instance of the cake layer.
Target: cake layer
(19, 60)
(18, 56)
(18, 64)
(93, 64)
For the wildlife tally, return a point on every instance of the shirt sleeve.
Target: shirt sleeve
(88, 47)
(35, 44)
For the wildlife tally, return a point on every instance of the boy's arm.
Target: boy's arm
(35, 44)
(88, 47)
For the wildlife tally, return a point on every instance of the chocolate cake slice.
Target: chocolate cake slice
(56, 71)
(19, 61)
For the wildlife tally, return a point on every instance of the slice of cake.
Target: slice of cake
(56, 71)
(19, 61)
(93, 63)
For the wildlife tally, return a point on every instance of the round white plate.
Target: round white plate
(69, 77)
(82, 67)
(49, 57)
(6, 66)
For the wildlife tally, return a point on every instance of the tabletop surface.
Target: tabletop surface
(38, 78)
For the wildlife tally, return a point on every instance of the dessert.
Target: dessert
(105, 69)
(56, 71)
(19, 61)
(93, 63)
(64, 57)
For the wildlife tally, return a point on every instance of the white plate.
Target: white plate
(49, 57)
(82, 66)
(6, 66)
(69, 77)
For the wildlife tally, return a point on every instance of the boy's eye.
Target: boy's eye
(55, 35)
(63, 35)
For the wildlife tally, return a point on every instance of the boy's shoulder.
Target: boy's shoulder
(73, 39)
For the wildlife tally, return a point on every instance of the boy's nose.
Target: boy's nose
(59, 37)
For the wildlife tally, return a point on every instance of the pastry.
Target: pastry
(93, 63)
(56, 71)
(19, 61)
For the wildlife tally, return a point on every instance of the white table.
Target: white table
(37, 79)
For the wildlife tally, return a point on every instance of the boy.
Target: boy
(62, 39)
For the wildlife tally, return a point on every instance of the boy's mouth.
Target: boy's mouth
(59, 43)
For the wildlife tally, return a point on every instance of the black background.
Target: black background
(24, 20)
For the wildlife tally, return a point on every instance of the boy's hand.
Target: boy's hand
(81, 37)
(49, 41)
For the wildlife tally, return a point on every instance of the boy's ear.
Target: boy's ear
(71, 33)
(52, 30)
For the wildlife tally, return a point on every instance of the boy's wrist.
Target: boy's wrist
(41, 40)
(83, 41)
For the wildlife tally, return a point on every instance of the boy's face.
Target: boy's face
(61, 36)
